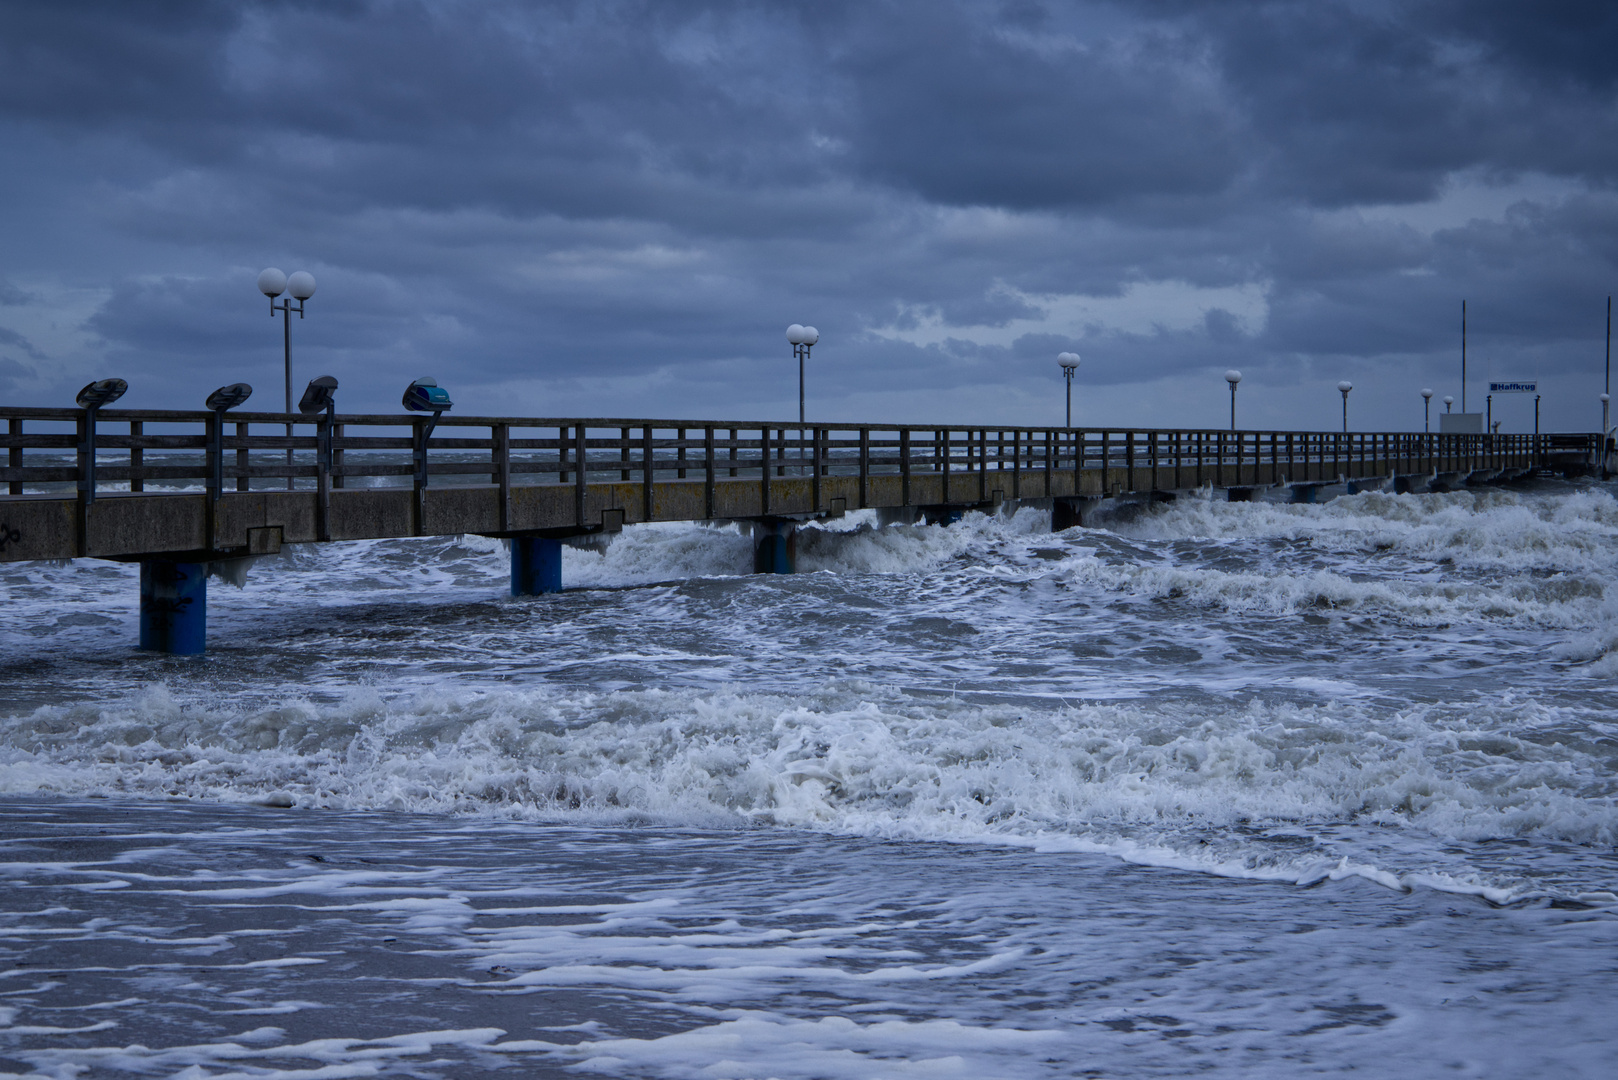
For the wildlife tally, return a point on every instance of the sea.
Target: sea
(1202, 788)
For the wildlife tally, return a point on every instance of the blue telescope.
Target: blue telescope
(425, 395)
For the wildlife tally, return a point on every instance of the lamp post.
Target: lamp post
(803, 339)
(1343, 388)
(1233, 377)
(1426, 410)
(1070, 364)
(1449, 400)
(300, 287)
(1605, 406)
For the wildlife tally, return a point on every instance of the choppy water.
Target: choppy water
(1230, 788)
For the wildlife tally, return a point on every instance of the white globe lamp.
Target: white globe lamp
(271, 282)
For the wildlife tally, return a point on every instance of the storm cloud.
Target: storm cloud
(615, 208)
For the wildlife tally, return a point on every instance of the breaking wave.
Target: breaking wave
(1193, 786)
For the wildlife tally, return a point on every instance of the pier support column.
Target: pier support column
(173, 607)
(1066, 514)
(941, 515)
(775, 547)
(1305, 493)
(536, 565)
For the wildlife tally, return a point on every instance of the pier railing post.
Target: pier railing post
(14, 458)
(502, 471)
(983, 465)
(764, 470)
(336, 456)
(814, 470)
(323, 455)
(243, 479)
(87, 457)
(137, 455)
(865, 465)
(708, 464)
(215, 456)
(418, 438)
(1049, 461)
(904, 466)
(1016, 463)
(646, 472)
(581, 479)
(86, 476)
(214, 484)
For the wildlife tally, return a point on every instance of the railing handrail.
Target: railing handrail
(453, 420)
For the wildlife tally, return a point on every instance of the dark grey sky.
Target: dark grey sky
(616, 208)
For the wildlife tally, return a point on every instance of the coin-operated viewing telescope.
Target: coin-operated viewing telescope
(220, 402)
(92, 399)
(425, 395)
(228, 397)
(320, 396)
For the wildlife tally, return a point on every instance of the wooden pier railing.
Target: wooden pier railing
(389, 475)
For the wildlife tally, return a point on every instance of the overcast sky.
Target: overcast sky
(615, 209)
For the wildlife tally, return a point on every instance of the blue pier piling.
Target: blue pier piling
(1305, 493)
(775, 547)
(536, 565)
(173, 607)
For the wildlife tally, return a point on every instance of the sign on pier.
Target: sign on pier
(1519, 386)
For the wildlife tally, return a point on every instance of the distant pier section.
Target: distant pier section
(176, 490)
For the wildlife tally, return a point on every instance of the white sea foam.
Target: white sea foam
(1183, 785)
(1488, 528)
(757, 1044)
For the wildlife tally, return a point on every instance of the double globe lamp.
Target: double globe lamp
(803, 339)
(300, 287)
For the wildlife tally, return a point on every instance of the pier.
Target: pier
(176, 490)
